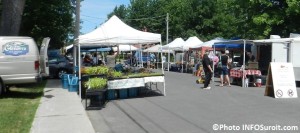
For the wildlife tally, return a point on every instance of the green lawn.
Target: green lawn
(18, 107)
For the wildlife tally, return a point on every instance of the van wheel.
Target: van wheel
(7, 89)
(61, 72)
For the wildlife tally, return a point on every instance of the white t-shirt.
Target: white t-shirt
(111, 60)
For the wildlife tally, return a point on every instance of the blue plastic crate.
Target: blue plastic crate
(111, 95)
(64, 77)
(73, 84)
(73, 88)
(123, 93)
(65, 80)
(132, 92)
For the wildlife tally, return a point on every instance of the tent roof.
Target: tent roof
(114, 32)
(233, 44)
(176, 44)
(211, 42)
(155, 49)
(192, 42)
(126, 48)
(277, 40)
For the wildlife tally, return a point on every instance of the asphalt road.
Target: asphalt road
(189, 109)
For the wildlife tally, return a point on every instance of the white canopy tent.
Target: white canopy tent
(125, 48)
(115, 32)
(176, 44)
(189, 43)
(210, 43)
(192, 42)
(156, 49)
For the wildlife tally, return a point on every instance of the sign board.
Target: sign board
(281, 81)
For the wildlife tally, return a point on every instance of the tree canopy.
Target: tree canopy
(207, 19)
(39, 19)
(52, 19)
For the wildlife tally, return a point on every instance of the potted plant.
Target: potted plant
(113, 74)
(97, 88)
(103, 70)
(99, 71)
(96, 83)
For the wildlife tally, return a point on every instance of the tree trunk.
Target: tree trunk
(11, 18)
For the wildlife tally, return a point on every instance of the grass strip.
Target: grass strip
(18, 107)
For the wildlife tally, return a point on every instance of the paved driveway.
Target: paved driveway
(189, 109)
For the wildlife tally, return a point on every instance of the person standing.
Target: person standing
(224, 72)
(95, 59)
(111, 58)
(207, 66)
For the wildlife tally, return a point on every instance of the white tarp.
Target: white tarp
(210, 43)
(176, 44)
(192, 42)
(156, 49)
(114, 31)
(125, 48)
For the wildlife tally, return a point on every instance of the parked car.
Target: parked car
(59, 65)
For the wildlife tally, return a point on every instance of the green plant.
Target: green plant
(90, 70)
(115, 74)
(102, 70)
(97, 70)
(96, 83)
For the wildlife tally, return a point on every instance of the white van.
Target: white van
(21, 62)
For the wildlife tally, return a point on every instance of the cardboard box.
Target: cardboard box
(252, 65)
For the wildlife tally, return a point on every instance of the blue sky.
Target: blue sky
(94, 12)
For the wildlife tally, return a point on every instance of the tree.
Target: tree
(48, 19)
(11, 18)
(207, 19)
(120, 11)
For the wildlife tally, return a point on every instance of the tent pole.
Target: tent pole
(167, 40)
(162, 70)
(182, 60)
(213, 75)
(168, 58)
(243, 68)
(186, 61)
(79, 69)
(131, 56)
(141, 55)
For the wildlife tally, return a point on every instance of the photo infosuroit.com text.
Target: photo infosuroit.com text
(254, 127)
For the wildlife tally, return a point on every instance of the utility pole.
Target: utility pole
(76, 35)
(167, 40)
(76, 47)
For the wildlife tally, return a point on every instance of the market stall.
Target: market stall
(157, 49)
(114, 32)
(236, 44)
(175, 45)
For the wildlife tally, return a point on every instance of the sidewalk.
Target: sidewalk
(60, 111)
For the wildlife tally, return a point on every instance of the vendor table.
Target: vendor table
(238, 72)
(238, 75)
(134, 82)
